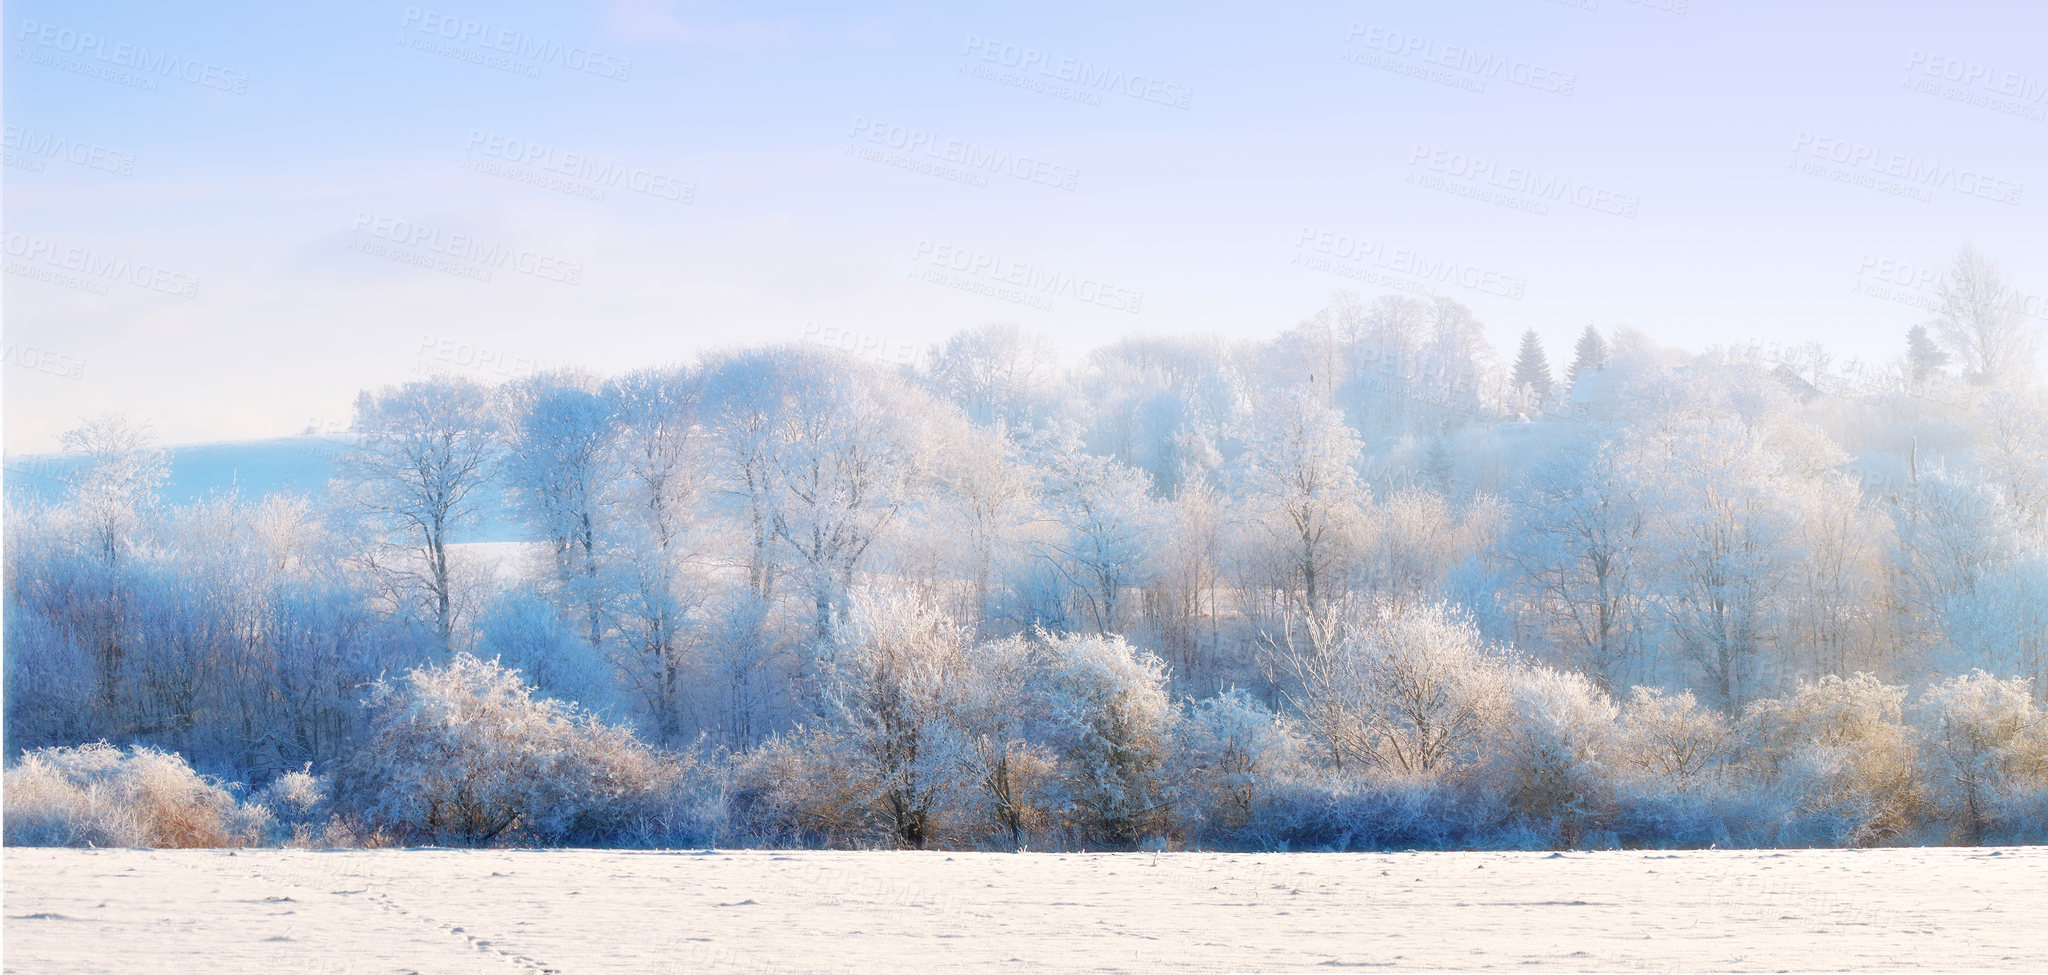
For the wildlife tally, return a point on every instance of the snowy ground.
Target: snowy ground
(436, 911)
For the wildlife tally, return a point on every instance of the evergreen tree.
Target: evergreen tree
(1589, 354)
(1923, 356)
(1532, 368)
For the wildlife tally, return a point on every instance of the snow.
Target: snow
(718, 911)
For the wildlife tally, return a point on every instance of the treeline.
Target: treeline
(1187, 590)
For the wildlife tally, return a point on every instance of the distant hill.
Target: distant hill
(251, 468)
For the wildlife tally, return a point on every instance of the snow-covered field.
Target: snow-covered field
(435, 911)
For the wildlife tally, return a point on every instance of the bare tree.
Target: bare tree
(1982, 321)
(424, 452)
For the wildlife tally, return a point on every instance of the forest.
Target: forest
(1366, 584)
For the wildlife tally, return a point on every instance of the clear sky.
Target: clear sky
(228, 220)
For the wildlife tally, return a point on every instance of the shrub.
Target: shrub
(1553, 762)
(1112, 724)
(1669, 743)
(888, 717)
(465, 754)
(97, 795)
(1842, 755)
(1984, 752)
(1411, 692)
(1233, 752)
(796, 789)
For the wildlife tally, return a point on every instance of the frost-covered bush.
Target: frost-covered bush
(1553, 762)
(796, 789)
(1012, 779)
(98, 795)
(887, 689)
(1411, 692)
(465, 754)
(302, 814)
(918, 737)
(1984, 752)
(1233, 753)
(1112, 723)
(1842, 758)
(1669, 743)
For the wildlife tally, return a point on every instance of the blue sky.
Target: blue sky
(228, 221)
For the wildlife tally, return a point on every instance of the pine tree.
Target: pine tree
(1923, 356)
(1589, 354)
(1532, 368)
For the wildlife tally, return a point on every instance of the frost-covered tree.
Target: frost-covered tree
(119, 484)
(1589, 355)
(1841, 750)
(998, 373)
(847, 456)
(1235, 752)
(655, 507)
(558, 435)
(1531, 376)
(1104, 525)
(1924, 357)
(1577, 546)
(885, 692)
(1554, 761)
(423, 456)
(1982, 321)
(1305, 495)
(1669, 742)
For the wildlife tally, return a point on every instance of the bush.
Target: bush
(1984, 753)
(796, 790)
(1668, 743)
(1112, 724)
(1553, 764)
(97, 795)
(888, 717)
(1410, 692)
(1233, 752)
(465, 754)
(1843, 758)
